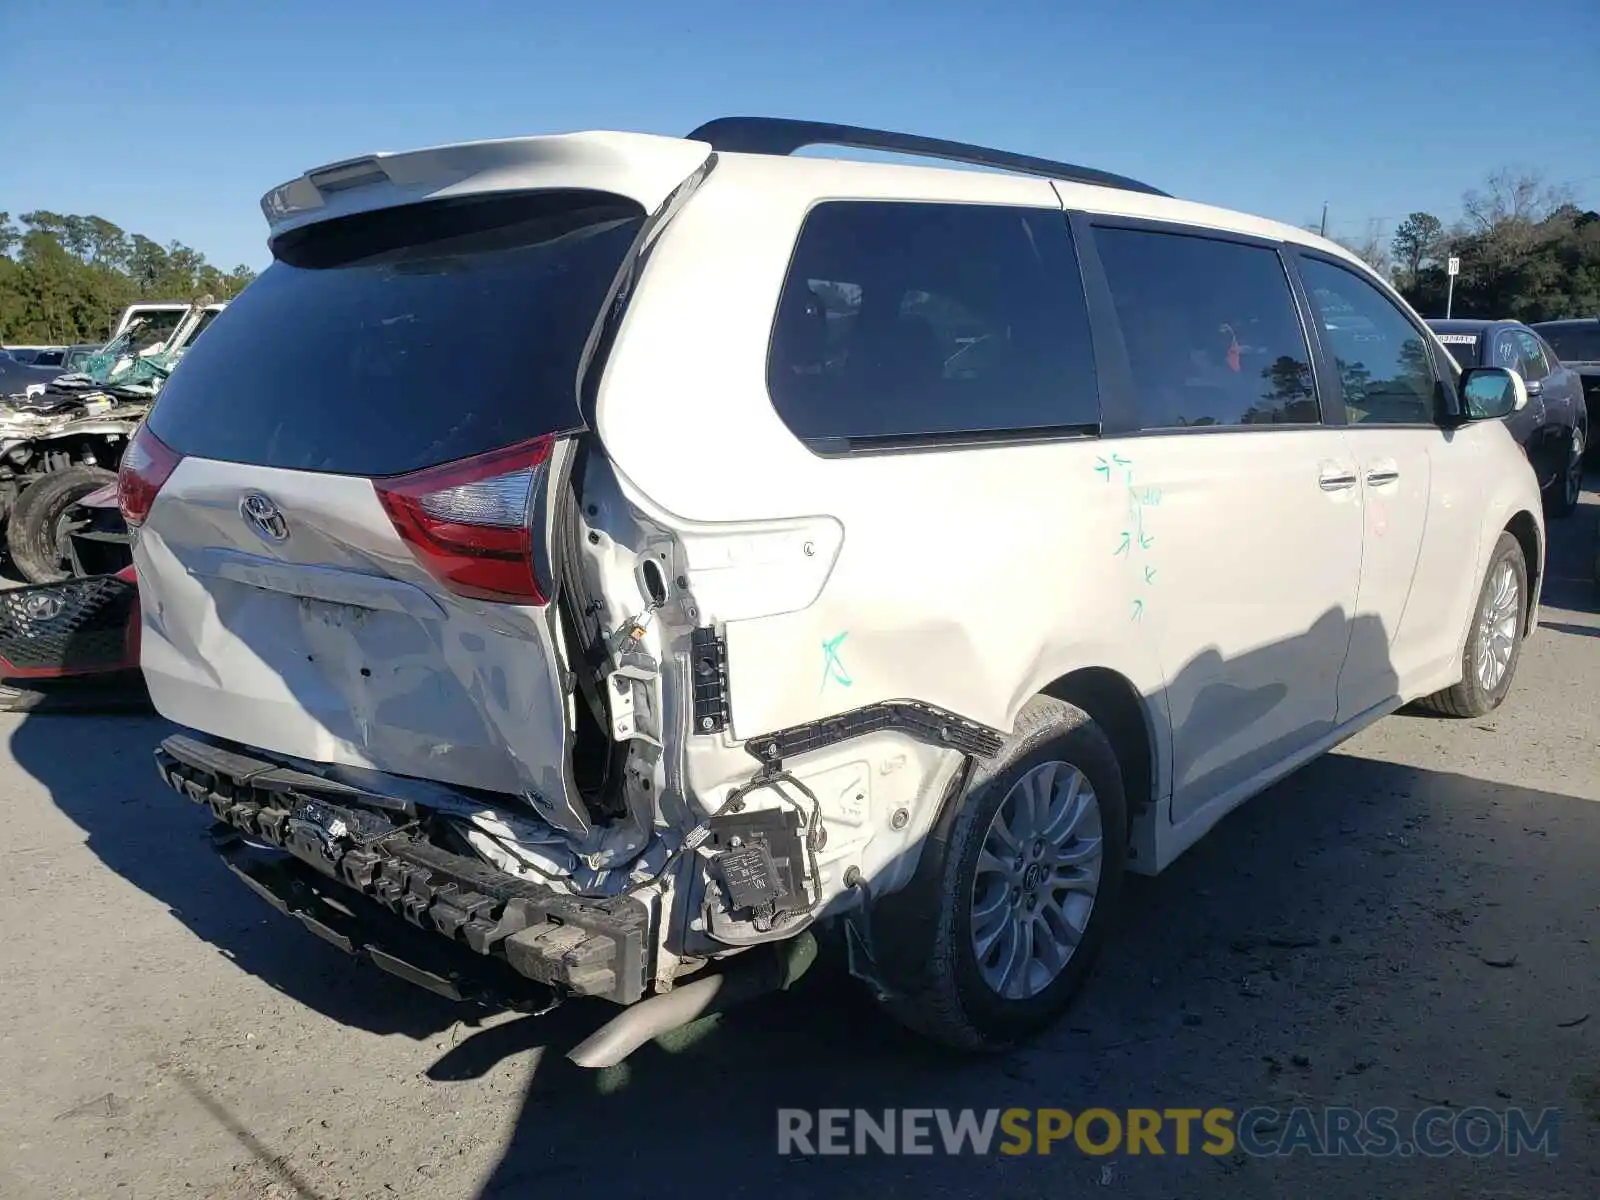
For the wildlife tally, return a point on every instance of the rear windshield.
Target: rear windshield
(1573, 343)
(393, 341)
(1463, 348)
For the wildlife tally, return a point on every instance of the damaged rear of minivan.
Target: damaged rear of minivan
(425, 645)
(497, 664)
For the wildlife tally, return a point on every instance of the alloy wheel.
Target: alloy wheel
(1497, 626)
(1037, 876)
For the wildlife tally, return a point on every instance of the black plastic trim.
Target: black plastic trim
(1099, 220)
(924, 722)
(1330, 387)
(782, 136)
(1119, 402)
(576, 945)
(708, 680)
(911, 443)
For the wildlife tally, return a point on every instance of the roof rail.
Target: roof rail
(783, 136)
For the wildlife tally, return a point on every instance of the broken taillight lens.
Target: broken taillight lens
(470, 522)
(147, 463)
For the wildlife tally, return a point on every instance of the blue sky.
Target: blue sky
(171, 118)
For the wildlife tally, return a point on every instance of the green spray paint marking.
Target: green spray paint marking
(832, 668)
(1139, 498)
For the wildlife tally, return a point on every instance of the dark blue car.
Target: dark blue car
(1554, 426)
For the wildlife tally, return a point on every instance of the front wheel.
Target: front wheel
(1494, 643)
(1023, 884)
(1566, 491)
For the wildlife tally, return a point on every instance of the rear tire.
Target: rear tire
(1566, 491)
(32, 535)
(1489, 661)
(1038, 914)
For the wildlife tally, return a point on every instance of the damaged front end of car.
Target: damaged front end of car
(71, 646)
(63, 440)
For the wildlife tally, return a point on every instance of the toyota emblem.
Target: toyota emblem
(262, 515)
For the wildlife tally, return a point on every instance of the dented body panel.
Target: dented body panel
(330, 646)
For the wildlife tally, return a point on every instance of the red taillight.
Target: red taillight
(470, 522)
(147, 463)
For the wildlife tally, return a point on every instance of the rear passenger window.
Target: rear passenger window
(902, 321)
(1212, 330)
(1385, 370)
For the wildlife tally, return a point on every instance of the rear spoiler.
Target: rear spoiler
(644, 168)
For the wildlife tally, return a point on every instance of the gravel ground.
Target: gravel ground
(1410, 921)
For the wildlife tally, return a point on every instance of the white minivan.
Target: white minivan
(631, 557)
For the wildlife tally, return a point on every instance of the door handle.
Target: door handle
(1336, 479)
(1381, 476)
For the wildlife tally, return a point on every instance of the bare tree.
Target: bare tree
(1509, 196)
(1370, 247)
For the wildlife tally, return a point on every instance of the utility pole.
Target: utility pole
(1322, 230)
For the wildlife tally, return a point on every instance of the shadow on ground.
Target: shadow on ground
(1330, 943)
(1572, 572)
(101, 775)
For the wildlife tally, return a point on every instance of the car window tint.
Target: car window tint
(1212, 331)
(1574, 343)
(1534, 366)
(1385, 372)
(398, 339)
(1507, 353)
(902, 320)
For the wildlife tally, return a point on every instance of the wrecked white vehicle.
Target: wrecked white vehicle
(613, 560)
(61, 441)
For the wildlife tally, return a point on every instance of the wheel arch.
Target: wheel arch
(1116, 705)
(1525, 528)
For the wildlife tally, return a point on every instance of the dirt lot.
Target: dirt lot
(1409, 922)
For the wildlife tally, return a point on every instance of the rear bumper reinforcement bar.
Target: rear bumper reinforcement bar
(372, 845)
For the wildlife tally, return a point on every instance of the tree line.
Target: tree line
(1527, 252)
(65, 278)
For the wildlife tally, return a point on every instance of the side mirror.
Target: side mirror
(1491, 393)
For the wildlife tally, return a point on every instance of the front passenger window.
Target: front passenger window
(1534, 366)
(1385, 371)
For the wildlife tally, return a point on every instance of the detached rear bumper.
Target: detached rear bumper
(375, 846)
